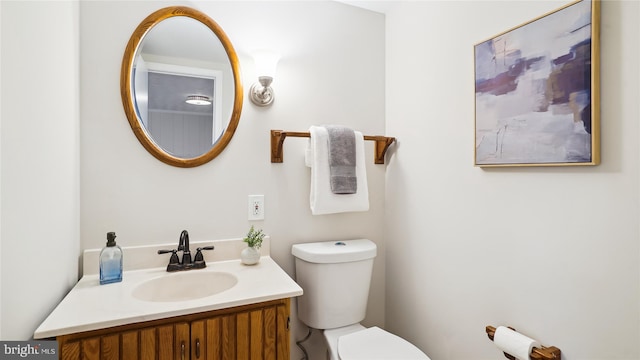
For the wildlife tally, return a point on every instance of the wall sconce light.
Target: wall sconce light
(198, 100)
(261, 92)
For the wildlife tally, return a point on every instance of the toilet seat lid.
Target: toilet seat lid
(375, 343)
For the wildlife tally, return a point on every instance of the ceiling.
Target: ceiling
(377, 6)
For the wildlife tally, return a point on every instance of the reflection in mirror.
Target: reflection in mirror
(180, 86)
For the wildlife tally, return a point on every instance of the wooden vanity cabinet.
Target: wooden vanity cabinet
(257, 331)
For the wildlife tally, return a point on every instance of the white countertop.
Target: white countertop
(91, 306)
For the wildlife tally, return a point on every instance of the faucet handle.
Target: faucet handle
(174, 261)
(198, 260)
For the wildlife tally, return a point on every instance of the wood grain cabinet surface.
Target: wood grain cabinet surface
(257, 331)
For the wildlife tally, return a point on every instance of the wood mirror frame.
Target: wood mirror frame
(128, 100)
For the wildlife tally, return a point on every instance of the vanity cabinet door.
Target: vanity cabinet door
(253, 334)
(166, 342)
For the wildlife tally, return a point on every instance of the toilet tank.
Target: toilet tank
(335, 277)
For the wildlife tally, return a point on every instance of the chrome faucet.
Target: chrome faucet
(175, 264)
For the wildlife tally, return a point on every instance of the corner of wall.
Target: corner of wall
(39, 211)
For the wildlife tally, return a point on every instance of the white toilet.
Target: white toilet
(335, 276)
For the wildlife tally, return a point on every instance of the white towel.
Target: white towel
(322, 200)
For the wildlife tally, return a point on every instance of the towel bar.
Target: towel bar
(278, 136)
(542, 353)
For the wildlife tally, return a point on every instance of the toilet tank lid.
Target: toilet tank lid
(331, 252)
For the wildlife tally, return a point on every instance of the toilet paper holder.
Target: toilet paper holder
(542, 353)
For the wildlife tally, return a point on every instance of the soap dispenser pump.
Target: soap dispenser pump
(111, 261)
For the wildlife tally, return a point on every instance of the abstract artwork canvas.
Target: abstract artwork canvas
(537, 91)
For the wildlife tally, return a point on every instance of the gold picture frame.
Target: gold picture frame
(537, 86)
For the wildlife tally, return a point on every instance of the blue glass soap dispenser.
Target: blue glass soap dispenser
(111, 261)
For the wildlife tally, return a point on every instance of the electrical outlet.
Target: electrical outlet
(256, 207)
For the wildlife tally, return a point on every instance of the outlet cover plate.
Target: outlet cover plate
(256, 207)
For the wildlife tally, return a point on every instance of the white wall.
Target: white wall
(330, 72)
(39, 216)
(553, 252)
(0, 171)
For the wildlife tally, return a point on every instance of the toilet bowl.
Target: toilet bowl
(356, 342)
(335, 276)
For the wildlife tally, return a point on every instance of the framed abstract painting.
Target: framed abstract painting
(537, 91)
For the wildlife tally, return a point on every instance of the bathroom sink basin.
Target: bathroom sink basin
(182, 286)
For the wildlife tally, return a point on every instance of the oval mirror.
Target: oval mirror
(180, 86)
